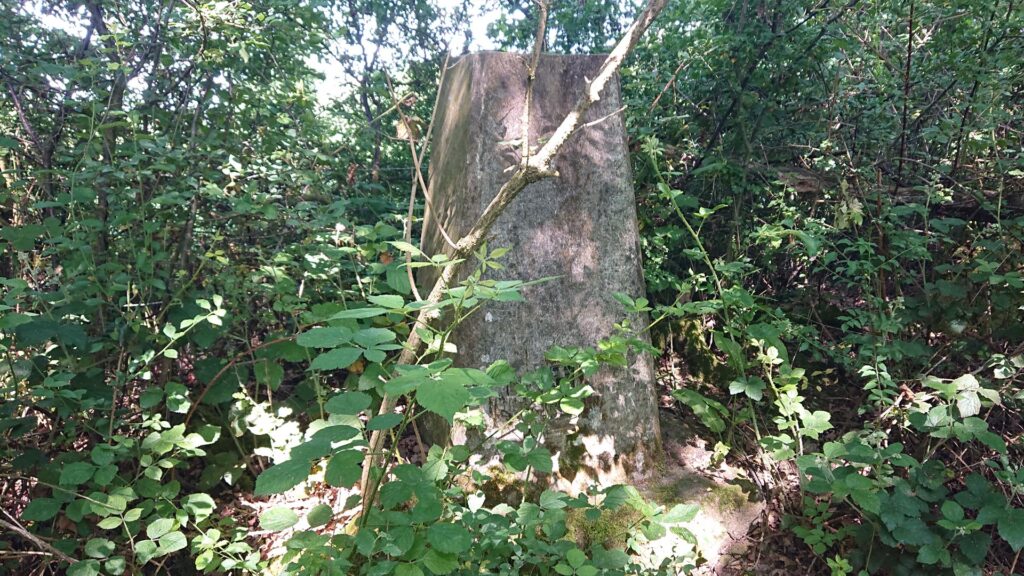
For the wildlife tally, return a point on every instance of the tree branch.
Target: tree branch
(529, 170)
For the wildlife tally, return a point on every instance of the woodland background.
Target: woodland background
(832, 209)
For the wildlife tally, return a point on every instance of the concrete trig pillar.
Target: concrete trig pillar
(580, 226)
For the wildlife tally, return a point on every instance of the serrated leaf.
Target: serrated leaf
(40, 509)
(76, 473)
(389, 301)
(336, 359)
(343, 469)
(348, 403)
(324, 337)
(445, 398)
(1011, 528)
(277, 519)
(281, 477)
(159, 527)
(359, 313)
(370, 337)
(968, 403)
(200, 506)
(171, 542)
(384, 422)
(99, 548)
(449, 538)
(319, 515)
(440, 563)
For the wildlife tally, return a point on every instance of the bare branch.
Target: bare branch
(530, 170)
(35, 540)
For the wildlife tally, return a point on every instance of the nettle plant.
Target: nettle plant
(437, 518)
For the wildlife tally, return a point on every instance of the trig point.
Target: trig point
(580, 226)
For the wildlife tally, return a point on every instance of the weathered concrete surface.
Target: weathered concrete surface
(580, 227)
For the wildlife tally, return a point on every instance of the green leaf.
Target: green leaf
(443, 397)
(952, 511)
(370, 337)
(975, 545)
(575, 558)
(753, 387)
(159, 527)
(552, 500)
(84, 568)
(343, 469)
(359, 313)
(99, 548)
(389, 301)
(76, 473)
(406, 569)
(281, 477)
(336, 359)
(1011, 528)
(109, 523)
(145, 550)
(384, 421)
(348, 403)
(681, 513)
(171, 542)
(199, 505)
(540, 459)
(268, 373)
(41, 509)
(278, 518)
(968, 403)
(440, 563)
(324, 337)
(319, 515)
(449, 538)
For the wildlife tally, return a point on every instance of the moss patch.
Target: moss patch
(611, 529)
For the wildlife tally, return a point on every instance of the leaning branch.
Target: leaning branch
(531, 169)
(36, 541)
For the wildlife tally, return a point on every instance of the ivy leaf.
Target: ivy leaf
(281, 477)
(449, 538)
(370, 337)
(443, 397)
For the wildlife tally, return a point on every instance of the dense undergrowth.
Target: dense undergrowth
(204, 287)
